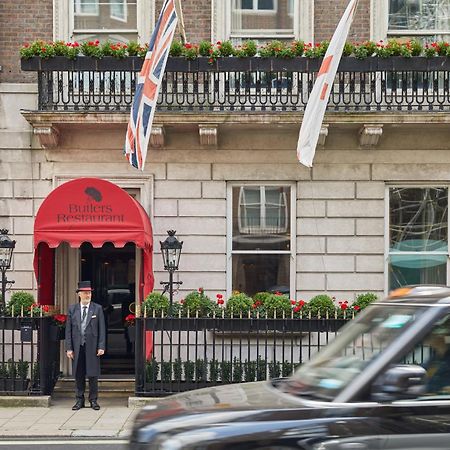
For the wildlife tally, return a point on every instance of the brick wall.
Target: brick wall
(197, 19)
(327, 15)
(20, 21)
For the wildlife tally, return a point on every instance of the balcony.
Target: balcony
(241, 90)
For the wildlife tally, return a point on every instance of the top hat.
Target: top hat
(84, 286)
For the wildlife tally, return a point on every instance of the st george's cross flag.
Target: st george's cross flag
(147, 87)
(317, 103)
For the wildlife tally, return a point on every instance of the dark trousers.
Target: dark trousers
(80, 378)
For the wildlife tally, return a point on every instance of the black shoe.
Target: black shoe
(78, 405)
(95, 405)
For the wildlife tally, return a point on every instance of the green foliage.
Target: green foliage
(239, 304)
(3, 370)
(274, 369)
(92, 48)
(225, 48)
(363, 300)
(177, 369)
(287, 368)
(151, 370)
(12, 368)
(320, 306)
(348, 49)
(201, 370)
(166, 371)
(249, 371)
(156, 303)
(22, 369)
(261, 369)
(189, 368)
(277, 304)
(247, 49)
(298, 48)
(18, 301)
(226, 368)
(205, 48)
(134, 48)
(196, 302)
(262, 297)
(176, 49)
(238, 370)
(36, 373)
(214, 370)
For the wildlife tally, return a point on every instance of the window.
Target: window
(119, 10)
(418, 236)
(428, 20)
(86, 7)
(114, 20)
(261, 247)
(262, 20)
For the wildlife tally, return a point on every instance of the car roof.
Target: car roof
(423, 294)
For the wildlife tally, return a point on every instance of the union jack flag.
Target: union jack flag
(147, 88)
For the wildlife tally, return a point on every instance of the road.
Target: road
(66, 444)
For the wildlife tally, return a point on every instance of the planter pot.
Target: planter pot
(57, 333)
(14, 385)
(131, 333)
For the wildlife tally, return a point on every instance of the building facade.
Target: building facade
(370, 215)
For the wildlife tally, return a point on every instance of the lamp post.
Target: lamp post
(6, 251)
(171, 251)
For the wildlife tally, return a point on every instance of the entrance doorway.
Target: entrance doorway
(112, 272)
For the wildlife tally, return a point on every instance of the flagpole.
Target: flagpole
(181, 23)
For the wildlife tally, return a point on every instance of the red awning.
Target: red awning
(96, 211)
(91, 210)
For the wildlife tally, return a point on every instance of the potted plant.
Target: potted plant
(58, 327)
(20, 304)
(130, 327)
(151, 371)
(197, 303)
(155, 305)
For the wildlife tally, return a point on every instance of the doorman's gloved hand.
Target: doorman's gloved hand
(100, 352)
(69, 354)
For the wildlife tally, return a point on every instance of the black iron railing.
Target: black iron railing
(178, 354)
(253, 84)
(29, 355)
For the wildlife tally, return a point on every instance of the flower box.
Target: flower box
(233, 64)
(14, 384)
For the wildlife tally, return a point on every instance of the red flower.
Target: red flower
(188, 45)
(46, 308)
(60, 318)
(219, 296)
(356, 308)
(301, 303)
(182, 301)
(278, 293)
(297, 308)
(344, 306)
(293, 302)
(200, 290)
(220, 301)
(211, 60)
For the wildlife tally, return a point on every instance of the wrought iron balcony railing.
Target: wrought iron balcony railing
(247, 85)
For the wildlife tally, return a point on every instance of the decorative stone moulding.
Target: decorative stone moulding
(323, 134)
(48, 135)
(208, 135)
(370, 135)
(157, 136)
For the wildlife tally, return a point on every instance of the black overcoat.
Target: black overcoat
(94, 334)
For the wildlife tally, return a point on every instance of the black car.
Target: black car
(383, 383)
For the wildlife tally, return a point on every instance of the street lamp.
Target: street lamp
(171, 251)
(6, 251)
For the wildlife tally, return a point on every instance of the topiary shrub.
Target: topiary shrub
(239, 304)
(20, 301)
(156, 303)
(320, 305)
(363, 300)
(277, 304)
(197, 302)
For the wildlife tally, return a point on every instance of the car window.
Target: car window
(433, 354)
(358, 344)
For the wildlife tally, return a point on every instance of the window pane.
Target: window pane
(251, 19)
(417, 269)
(418, 219)
(261, 217)
(419, 15)
(106, 15)
(255, 273)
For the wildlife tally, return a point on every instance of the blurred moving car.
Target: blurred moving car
(383, 383)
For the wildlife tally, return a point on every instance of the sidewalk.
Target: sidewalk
(114, 419)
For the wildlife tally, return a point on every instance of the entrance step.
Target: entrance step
(107, 387)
